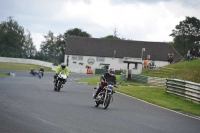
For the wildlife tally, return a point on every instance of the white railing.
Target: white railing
(186, 89)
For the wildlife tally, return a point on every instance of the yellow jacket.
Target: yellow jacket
(59, 69)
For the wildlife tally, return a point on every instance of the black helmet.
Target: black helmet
(63, 65)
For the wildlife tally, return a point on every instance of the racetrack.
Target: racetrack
(30, 105)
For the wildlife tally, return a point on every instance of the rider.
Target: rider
(108, 77)
(42, 69)
(32, 71)
(59, 69)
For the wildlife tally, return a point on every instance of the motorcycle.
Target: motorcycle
(33, 73)
(40, 74)
(61, 78)
(105, 95)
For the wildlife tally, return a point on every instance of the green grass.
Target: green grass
(93, 81)
(156, 96)
(159, 97)
(20, 66)
(187, 70)
(4, 74)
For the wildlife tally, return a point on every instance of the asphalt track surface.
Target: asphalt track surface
(30, 105)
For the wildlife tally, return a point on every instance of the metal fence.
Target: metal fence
(186, 89)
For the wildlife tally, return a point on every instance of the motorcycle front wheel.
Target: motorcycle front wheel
(106, 101)
(59, 86)
(96, 103)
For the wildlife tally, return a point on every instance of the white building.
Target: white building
(98, 53)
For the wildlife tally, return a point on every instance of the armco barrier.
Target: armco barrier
(139, 78)
(150, 80)
(186, 89)
(157, 81)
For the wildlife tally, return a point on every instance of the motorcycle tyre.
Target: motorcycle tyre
(96, 103)
(107, 100)
(59, 86)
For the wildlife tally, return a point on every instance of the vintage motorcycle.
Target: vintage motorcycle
(105, 95)
(61, 78)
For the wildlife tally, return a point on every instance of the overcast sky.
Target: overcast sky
(144, 20)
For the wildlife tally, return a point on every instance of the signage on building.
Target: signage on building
(90, 61)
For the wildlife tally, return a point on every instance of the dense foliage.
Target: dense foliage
(186, 35)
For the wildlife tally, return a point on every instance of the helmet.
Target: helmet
(111, 70)
(63, 65)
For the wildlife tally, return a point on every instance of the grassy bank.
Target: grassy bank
(154, 95)
(187, 70)
(20, 66)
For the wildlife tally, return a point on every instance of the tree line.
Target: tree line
(16, 42)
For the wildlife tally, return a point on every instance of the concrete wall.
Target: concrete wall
(28, 61)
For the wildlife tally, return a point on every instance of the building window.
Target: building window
(77, 57)
(100, 59)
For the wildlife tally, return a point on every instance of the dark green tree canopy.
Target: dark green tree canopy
(76, 32)
(186, 35)
(13, 40)
(111, 37)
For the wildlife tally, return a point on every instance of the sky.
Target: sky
(142, 20)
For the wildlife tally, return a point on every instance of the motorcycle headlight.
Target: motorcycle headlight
(110, 87)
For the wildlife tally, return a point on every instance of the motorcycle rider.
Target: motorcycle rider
(42, 70)
(33, 71)
(59, 69)
(108, 77)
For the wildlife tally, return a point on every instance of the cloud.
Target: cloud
(38, 38)
(134, 19)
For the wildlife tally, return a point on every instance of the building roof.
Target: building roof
(123, 48)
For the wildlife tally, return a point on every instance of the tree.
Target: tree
(53, 48)
(111, 37)
(114, 36)
(76, 32)
(29, 48)
(60, 43)
(49, 46)
(186, 35)
(11, 39)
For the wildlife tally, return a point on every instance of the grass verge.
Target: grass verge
(4, 74)
(157, 96)
(20, 66)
